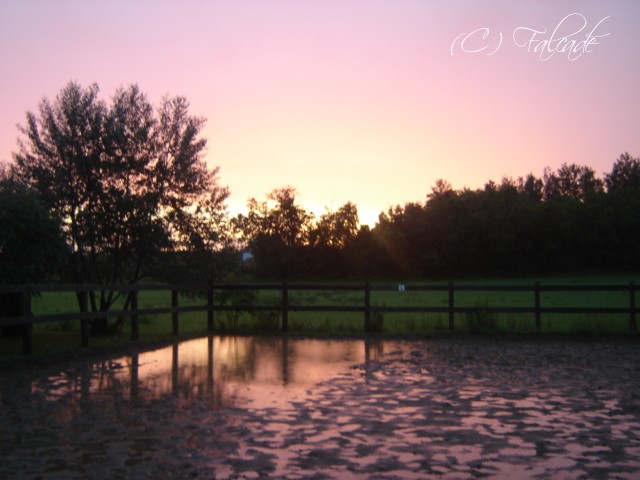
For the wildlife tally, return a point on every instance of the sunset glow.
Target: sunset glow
(369, 102)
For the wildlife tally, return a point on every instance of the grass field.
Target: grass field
(64, 336)
(429, 323)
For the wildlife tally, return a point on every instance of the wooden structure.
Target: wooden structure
(209, 293)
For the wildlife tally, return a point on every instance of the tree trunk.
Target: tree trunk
(11, 306)
(100, 326)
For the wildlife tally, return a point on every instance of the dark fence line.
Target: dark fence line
(20, 314)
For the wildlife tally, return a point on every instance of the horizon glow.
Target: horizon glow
(362, 101)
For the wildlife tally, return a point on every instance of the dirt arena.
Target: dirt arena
(443, 408)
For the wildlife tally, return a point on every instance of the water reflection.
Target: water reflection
(223, 371)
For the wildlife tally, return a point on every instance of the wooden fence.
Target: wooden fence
(26, 319)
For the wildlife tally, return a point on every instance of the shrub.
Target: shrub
(267, 320)
(235, 298)
(480, 319)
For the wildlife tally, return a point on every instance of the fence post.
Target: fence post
(451, 325)
(135, 377)
(84, 321)
(536, 292)
(367, 307)
(175, 368)
(27, 332)
(210, 307)
(174, 310)
(135, 325)
(632, 305)
(285, 306)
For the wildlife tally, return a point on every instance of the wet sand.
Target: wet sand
(445, 408)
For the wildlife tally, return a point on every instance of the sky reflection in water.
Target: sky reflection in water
(223, 371)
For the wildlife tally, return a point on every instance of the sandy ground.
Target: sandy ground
(447, 408)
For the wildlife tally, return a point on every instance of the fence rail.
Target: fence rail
(21, 314)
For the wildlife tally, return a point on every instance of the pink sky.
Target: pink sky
(346, 100)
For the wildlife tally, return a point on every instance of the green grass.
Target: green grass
(61, 337)
(433, 323)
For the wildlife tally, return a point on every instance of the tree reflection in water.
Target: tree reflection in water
(220, 370)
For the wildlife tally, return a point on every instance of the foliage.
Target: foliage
(336, 229)
(235, 298)
(480, 319)
(279, 217)
(195, 266)
(564, 222)
(31, 244)
(286, 242)
(129, 184)
(572, 181)
(624, 174)
(267, 321)
(561, 222)
(126, 179)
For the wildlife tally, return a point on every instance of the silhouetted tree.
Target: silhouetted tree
(367, 257)
(279, 216)
(31, 245)
(440, 188)
(336, 229)
(531, 187)
(287, 220)
(573, 181)
(560, 223)
(127, 180)
(620, 208)
(277, 232)
(625, 173)
(329, 239)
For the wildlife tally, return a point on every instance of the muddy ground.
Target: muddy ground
(444, 408)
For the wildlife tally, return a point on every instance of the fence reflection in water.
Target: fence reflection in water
(219, 370)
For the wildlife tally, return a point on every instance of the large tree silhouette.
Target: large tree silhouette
(127, 180)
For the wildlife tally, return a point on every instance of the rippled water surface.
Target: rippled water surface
(250, 407)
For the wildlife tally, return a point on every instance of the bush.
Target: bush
(480, 319)
(267, 321)
(235, 298)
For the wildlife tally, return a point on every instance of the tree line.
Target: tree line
(567, 220)
(113, 192)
